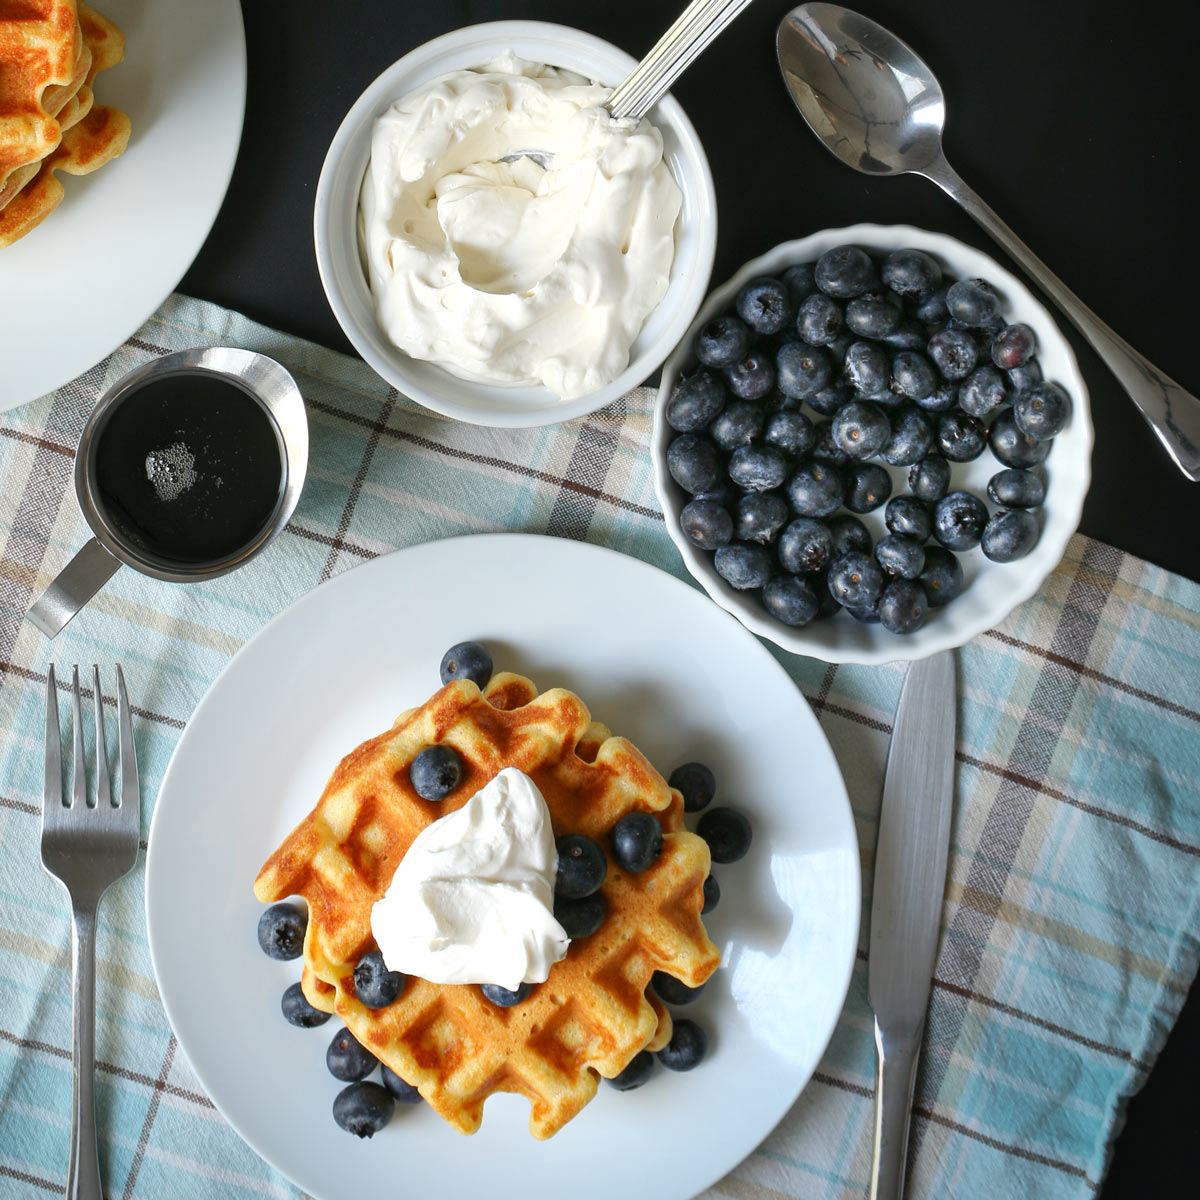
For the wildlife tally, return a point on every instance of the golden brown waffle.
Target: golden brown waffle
(593, 1014)
(89, 135)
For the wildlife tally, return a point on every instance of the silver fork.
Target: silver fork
(87, 847)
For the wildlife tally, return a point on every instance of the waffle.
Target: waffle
(593, 1013)
(86, 135)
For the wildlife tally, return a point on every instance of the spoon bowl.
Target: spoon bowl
(875, 104)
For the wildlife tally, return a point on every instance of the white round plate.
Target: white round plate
(91, 273)
(655, 661)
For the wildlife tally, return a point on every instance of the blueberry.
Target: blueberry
(839, 348)
(868, 615)
(800, 281)
(736, 425)
(686, 1048)
(913, 375)
(346, 1059)
(696, 783)
(829, 399)
(942, 578)
(903, 607)
(401, 1090)
(848, 533)
(983, 391)
(900, 556)
(1013, 347)
(467, 660)
(790, 600)
(743, 566)
(855, 579)
(751, 378)
(374, 984)
(640, 1067)
(694, 462)
(765, 305)
(1012, 446)
(672, 990)
(815, 489)
(827, 605)
(759, 467)
(363, 1109)
(581, 866)
(712, 894)
(695, 402)
(954, 353)
(912, 274)
(706, 524)
(960, 437)
(297, 1010)
(722, 342)
(802, 370)
(873, 315)
(958, 520)
(825, 447)
(868, 486)
(932, 308)
(1042, 411)
(911, 438)
(845, 271)
(1010, 535)
(1024, 376)
(436, 772)
(805, 545)
(791, 431)
(909, 516)
(930, 478)
(908, 335)
(760, 516)
(636, 841)
(861, 429)
(866, 367)
(820, 319)
(581, 918)
(727, 833)
(281, 931)
(1016, 489)
(942, 399)
(974, 302)
(503, 997)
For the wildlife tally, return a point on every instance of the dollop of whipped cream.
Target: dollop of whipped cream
(472, 900)
(511, 272)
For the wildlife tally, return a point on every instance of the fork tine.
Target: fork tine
(78, 768)
(103, 791)
(52, 785)
(126, 751)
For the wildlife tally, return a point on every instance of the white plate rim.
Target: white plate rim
(512, 544)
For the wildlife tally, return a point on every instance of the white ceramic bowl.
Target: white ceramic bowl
(336, 225)
(992, 590)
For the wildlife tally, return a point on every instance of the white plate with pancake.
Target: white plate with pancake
(652, 658)
(89, 275)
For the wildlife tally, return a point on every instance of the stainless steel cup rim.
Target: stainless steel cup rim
(262, 378)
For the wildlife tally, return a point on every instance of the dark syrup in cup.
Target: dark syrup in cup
(189, 468)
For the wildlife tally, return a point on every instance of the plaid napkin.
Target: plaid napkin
(1070, 920)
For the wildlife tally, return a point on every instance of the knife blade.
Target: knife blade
(910, 880)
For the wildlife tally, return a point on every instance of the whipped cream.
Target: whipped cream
(508, 272)
(472, 900)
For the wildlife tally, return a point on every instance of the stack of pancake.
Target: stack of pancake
(50, 54)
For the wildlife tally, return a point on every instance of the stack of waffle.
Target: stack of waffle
(594, 1013)
(50, 54)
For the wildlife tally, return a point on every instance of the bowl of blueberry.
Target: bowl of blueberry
(873, 444)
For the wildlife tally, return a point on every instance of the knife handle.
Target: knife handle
(895, 1074)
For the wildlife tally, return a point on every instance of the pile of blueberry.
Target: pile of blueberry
(896, 365)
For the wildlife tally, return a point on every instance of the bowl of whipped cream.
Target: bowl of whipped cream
(494, 244)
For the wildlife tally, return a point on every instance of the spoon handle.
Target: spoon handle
(1173, 414)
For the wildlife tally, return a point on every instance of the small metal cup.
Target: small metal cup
(259, 377)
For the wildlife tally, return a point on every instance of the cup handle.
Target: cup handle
(91, 568)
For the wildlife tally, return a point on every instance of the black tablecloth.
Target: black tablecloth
(1074, 120)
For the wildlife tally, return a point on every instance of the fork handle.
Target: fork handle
(83, 1167)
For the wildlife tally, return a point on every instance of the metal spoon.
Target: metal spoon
(879, 108)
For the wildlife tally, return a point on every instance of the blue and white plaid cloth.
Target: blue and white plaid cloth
(1070, 920)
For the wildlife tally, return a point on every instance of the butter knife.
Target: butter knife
(910, 879)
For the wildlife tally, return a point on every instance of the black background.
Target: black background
(1075, 120)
